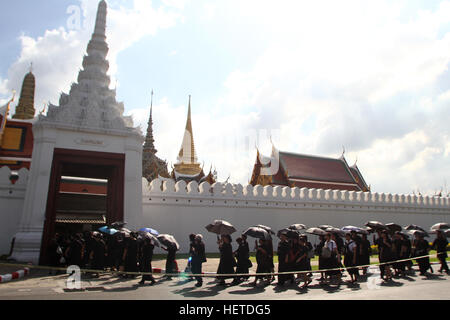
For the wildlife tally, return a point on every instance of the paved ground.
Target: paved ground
(41, 286)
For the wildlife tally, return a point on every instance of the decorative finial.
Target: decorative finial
(151, 102)
(43, 110)
(31, 67)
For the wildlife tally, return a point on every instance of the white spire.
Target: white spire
(90, 102)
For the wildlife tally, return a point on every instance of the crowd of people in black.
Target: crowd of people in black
(336, 254)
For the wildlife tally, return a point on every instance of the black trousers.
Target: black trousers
(442, 259)
(196, 268)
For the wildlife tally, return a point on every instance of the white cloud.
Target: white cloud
(357, 74)
(57, 55)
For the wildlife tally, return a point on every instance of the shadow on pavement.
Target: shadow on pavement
(391, 283)
(201, 292)
(432, 276)
(123, 289)
(251, 289)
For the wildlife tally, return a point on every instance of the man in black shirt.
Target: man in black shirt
(283, 260)
(440, 245)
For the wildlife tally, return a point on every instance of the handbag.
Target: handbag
(326, 253)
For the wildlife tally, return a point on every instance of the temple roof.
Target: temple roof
(308, 171)
(308, 167)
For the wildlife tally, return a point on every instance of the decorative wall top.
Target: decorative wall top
(158, 188)
(90, 103)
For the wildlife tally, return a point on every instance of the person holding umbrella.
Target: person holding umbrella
(283, 259)
(421, 248)
(319, 253)
(170, 260)
(130, 255)
(330, 257)
(440, 245)
(262, 259)
(378, 241)
(198, 257)
(302, 262)
(351, 257)
(98, 253)
(406, 252)
(386, 254)
(340, 250)
(397, 247)
(364, 253)
(227, 262)
(146, 260)
(242, 255)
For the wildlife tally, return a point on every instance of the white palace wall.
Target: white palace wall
(11, 204)
(181, 209)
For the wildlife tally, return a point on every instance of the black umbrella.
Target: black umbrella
(292, 234)
(168, 241)
(337, 231)
(258, 233)
(325, 226)
(375, 225)
(118, 224)
(414, 227)
(316, 231)
(414, 232)
(283, 231)
(297, 227)
(221, 227)
(268, 229)
(356, 229)
(393, 227)
(440, 226)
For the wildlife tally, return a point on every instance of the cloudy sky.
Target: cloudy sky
(317, 76)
